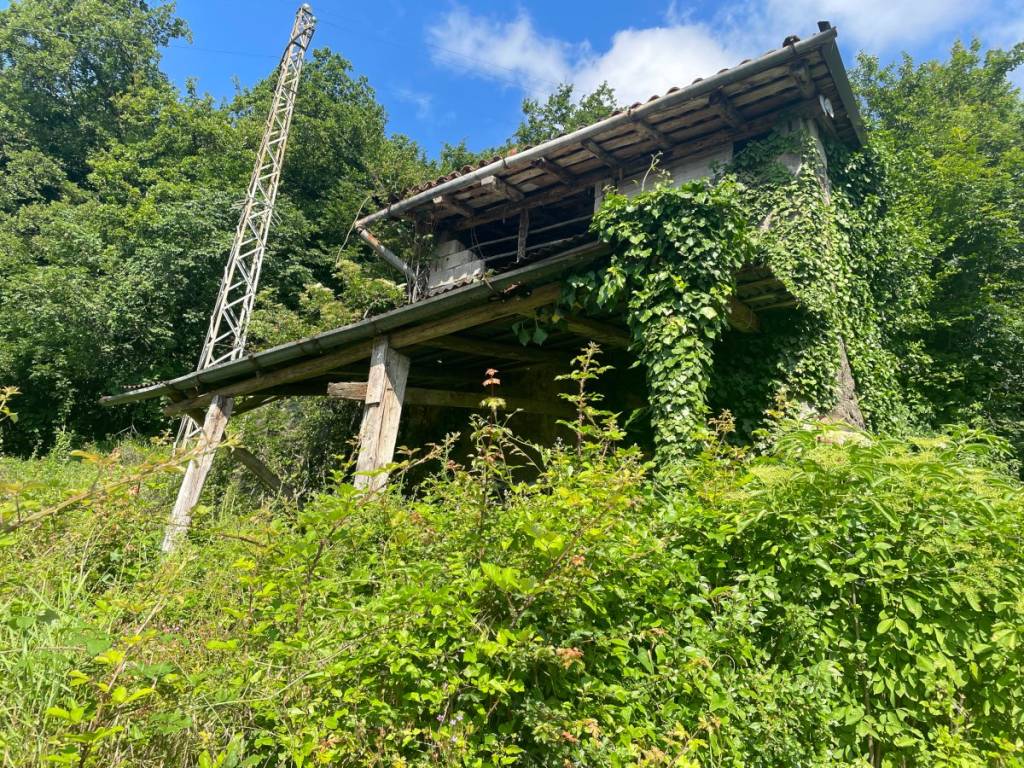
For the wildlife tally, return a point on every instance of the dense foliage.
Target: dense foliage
(828, 604)
(955, 133)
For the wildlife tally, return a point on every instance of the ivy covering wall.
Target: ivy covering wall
(827, 228)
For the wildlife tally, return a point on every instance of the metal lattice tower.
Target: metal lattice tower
(225, 340)
(229, 324)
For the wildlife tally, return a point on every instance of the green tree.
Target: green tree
(63, 63)
(560, 113)
(957, 128)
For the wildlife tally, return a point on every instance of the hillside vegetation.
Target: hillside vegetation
(839, 601)
(783, 594)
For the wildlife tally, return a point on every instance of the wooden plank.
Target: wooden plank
(741, 317)
(595, 330)
(440, 398)
(602, 333)
(382, 411)
(598, 151)
(503, 187)
(407, 337)
(292, 373)
(195, 475)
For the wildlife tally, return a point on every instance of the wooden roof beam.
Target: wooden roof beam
(649, 131)
(449, 202)
(600, 153)
(801, 75)
(508, 190)
(726, 110)
(550, 166)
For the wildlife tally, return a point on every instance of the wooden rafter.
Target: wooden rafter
(725, 109)
(649, 131)
(568, 178)
(801, 75)
(508, 190)
(600, 153)
(692, 147)
(449, 202)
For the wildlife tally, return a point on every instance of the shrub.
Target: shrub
(838, 602)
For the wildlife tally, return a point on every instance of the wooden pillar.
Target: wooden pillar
(385, 391)
(198, 468)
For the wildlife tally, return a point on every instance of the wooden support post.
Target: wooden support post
(198, 468)
(382, 411)
(801, 75)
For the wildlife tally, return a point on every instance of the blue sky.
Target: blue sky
(447, 70)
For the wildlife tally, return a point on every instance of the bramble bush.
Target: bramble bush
(839, 602)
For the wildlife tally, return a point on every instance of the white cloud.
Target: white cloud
(423, 102)
(647, 62)
(510, 51)
(643, 62)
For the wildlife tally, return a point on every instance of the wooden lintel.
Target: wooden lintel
(494, 350)
(801, 75)
(601, 153)
(723, 105)
(646, 129)
(442, 398)
(741, 317)
(508, 190)
(449, 202)
(568, 178)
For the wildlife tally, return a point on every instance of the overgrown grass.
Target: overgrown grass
(838, 602)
